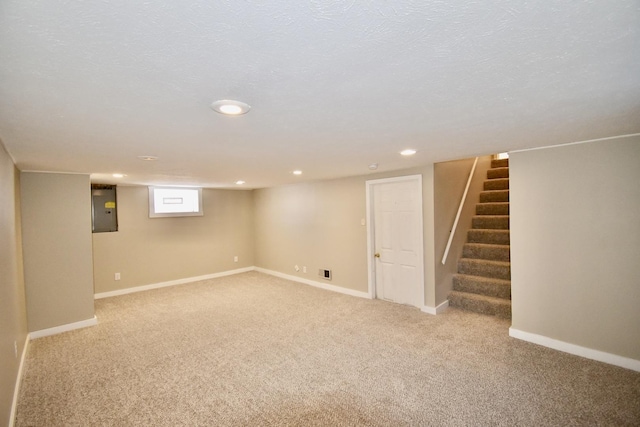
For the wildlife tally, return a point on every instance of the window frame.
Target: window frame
(152, 198)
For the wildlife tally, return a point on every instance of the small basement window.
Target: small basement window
(172, 201)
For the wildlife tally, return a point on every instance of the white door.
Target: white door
(397, 245)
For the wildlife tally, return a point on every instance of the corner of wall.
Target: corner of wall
(19, 376)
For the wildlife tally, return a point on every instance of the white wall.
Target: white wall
(575, 245)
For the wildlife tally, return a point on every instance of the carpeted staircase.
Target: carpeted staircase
(483, 282)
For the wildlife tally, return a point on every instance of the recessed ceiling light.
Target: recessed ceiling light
(373, 166)
(408, 152)
(148, 158)
(297, 172)
(240, 182)
(118, 175)
(230, 107)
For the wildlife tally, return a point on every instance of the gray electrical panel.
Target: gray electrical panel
(104, 213)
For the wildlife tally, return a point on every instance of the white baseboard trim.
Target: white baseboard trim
(577, 350)
(441, 308)
(64, 328)
(170, 283)
(313, 283)
(16, 390)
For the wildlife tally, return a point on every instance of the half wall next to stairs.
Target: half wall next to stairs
(450, 179)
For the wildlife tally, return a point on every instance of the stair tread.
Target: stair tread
(489, 196)
(492, 208)
(487, 245)
(496, 184)
(489, 236)
(499, 172)
(491, 222)
(489, 306)
(486, 261)
(478, 297)
(496, 193)
(484, 279)
(488, 251)
(498, 163)
(490, 230)
(478, 285)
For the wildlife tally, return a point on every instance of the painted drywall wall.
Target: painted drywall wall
(56, 231)
(314, 225)
(319, 225)
(450, 180)
(13, 312)
(575, 241)
(147, 251)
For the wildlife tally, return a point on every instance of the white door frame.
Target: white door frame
(371, 266)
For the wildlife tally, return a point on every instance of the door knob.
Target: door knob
(377, 255)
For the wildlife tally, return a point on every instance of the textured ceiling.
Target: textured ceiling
(334, 85)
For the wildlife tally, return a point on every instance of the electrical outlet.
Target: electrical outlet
(15, 348)
(235, 258)
(304, 269)
(117, 276)
(325, 274)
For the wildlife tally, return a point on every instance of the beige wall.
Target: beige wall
(56, 230)
(13, 314)
(450, 180)
(148, 251)
(575, 244)
(318, 225)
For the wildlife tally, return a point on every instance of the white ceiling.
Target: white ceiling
(87, 86)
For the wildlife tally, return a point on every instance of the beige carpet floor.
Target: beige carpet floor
(255, 350)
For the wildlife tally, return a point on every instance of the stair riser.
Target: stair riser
(498, 173)
(492, 237)
(494, 196)
(484, 268)
(493, 253)
(492, 208)
(501, 163)
(496, 184)
(482, 307)
(490, 222)
(474, 285)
